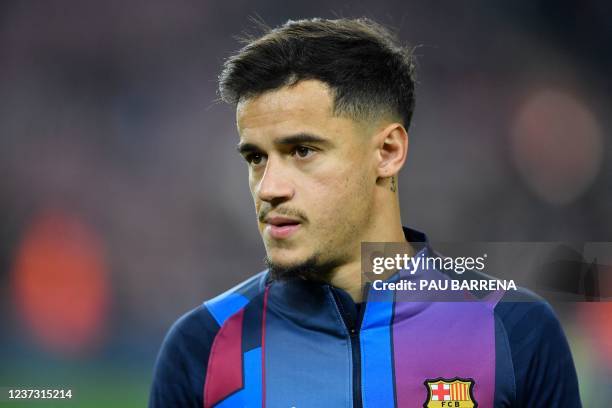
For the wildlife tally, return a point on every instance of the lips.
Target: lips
(281, 227)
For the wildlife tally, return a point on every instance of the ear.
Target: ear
(392, 149)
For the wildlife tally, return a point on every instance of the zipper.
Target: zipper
(352, 327)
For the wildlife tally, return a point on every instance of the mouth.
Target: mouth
(281, 227)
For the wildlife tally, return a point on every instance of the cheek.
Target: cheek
(340, 199)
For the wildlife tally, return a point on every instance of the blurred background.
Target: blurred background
(123, 203)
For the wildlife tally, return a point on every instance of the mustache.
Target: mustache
(288, 212)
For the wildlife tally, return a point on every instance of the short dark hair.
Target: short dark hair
(368, 71)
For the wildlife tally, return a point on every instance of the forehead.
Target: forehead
(307, 104)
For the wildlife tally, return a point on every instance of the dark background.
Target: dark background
(123, 203)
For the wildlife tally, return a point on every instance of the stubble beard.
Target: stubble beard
(312, 269)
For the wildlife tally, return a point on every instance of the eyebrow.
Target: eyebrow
(295, 139)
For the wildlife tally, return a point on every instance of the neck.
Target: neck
(386, 228)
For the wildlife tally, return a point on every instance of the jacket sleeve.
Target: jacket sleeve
(180, 369)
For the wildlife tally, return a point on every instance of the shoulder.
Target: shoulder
(200, 325)
(522, 312)
(203, 322)
(229, 302)
(530, 324)
(180, 369)
(181, 362)
(541, 358)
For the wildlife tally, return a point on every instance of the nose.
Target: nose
(274, 186)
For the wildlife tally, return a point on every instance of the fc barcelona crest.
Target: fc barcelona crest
(450, 393)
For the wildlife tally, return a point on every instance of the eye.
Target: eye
(303, 151)
(254, 159)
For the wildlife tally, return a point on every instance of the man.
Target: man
(323, 108)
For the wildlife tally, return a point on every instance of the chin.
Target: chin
(287, 257)
(286, 260)
(302, 267)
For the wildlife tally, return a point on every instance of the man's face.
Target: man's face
(311, 174)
